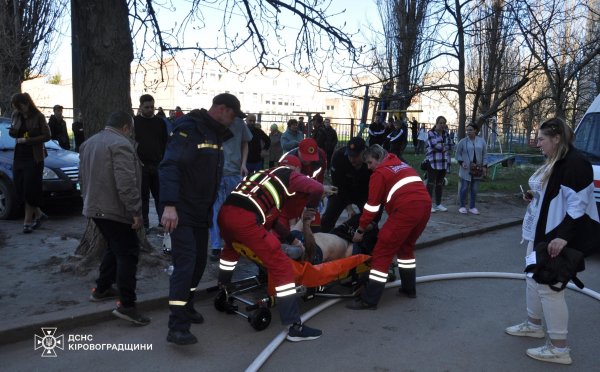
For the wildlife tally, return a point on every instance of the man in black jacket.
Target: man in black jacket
(151, 135)
(58, 128)
(351, 177)
(189, 180)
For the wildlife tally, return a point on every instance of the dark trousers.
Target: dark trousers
(435, 182)
(119, 264)
(27, 176)
(150, 184)
(335, 207)
(188, 252)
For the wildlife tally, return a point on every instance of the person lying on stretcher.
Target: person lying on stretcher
(323, 247)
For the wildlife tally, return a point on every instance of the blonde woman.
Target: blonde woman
(561, 212)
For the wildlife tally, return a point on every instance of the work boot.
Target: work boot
(359, 304)
(181, 337)
(190, 312)
(372, 292)
(408, 278)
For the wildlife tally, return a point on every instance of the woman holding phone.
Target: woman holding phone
(561, 212)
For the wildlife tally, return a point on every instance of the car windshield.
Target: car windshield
(8, 143)
(587, 138)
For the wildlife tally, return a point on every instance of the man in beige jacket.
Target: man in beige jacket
(110, 176)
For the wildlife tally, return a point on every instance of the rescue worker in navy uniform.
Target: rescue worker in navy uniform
(189, 179)
(246, 217)
(350, 175)
(408, 206)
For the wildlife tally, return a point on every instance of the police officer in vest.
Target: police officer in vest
(189, 178)
(246, 217)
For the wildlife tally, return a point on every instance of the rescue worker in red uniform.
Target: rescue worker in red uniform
(314, 165)
(246, 217)
(408, 205)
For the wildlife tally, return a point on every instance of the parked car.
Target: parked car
(587, 140)
(60, 179)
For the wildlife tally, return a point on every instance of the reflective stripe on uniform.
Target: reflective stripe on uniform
(401, 183)
(316, 173)
(208, 146)
(262, 214)
(407, 264)
(372, 208)
(227, 265)
(286, 290)
(378, 276)
(193, 289)
(177, 303)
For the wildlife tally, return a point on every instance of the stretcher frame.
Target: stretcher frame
(234, 299)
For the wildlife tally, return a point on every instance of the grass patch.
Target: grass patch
(506, 179)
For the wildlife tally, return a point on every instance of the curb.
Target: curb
(21, 330)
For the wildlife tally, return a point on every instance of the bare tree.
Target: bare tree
(403, 59)
(27, 31)
(556, 35)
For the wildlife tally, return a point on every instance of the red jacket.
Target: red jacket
(316, 169)
(394, 184)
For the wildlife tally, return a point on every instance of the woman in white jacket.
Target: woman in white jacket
(471, 150)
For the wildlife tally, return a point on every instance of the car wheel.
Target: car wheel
(7, 199)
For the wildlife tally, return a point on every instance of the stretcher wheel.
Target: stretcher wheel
(221, 301)
(260, 319)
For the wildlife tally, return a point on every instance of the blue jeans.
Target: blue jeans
(228, 183)
(464, 185)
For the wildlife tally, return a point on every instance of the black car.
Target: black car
(61, 173)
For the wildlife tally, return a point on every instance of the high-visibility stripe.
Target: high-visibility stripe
(316, 173)
(289, 292)
(207, 146)
(372, 208)
(285, 286)
(227, 265)
(177, 303)
(193, 289)
(407, 264)
(378, 276)
(286, 290)
(262, 214)
(401, 183)
(271, 189)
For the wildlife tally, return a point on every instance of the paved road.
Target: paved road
(454, 325)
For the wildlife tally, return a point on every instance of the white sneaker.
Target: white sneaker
(474, 211)
(526, 329)
(433, 210)
(462, 210)
(549, 353)
(441, 208)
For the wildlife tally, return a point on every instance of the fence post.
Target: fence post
(351, 127)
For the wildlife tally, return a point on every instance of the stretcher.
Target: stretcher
(334, 279)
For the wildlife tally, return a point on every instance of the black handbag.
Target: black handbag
(558, 270)
(425, 165)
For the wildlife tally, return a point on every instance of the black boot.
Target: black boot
(369, 297)
(408, 277)
(190, 312)
(181, 337)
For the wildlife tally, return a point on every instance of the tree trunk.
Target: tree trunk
(101, 80)
(11, 84)
(104, 51)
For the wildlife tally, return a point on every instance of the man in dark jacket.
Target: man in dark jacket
(351, 176)
(331, 140)
(151, 135)
(58, 128)
(189, 179)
